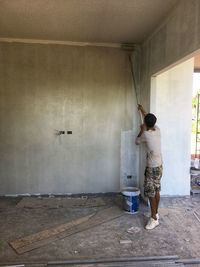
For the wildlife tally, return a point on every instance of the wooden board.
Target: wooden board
(41, 237)
(45, 237)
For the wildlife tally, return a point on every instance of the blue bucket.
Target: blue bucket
(131, 199)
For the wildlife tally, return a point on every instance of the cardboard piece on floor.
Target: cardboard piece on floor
(45, 237)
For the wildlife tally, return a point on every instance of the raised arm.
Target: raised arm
(140, 108)
(139, 138)
(142, 129)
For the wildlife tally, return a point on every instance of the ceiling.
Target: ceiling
(110, 21)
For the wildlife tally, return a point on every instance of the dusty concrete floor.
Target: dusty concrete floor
(177, 234)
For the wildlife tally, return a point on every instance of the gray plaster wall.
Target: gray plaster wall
(171, 97)
(176, 38)
(45, 88)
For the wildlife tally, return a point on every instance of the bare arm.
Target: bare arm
(138, 139)
(142, 128)
(140, 108)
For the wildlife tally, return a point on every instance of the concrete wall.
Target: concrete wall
(44, 88)
(176, 38)
(171, 98)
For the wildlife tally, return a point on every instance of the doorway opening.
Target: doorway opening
(195, 136)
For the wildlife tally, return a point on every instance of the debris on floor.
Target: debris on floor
(178, 232)
(133, 230)
(125, 241)
(196, 216)
(195, 180)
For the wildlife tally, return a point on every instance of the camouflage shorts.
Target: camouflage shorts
(152, 181)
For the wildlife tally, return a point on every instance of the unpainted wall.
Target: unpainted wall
(176, 38)
(171, 97)
(47, 88)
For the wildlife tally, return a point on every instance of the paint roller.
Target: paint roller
(130, 48)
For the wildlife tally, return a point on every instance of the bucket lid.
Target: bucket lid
(131, 191)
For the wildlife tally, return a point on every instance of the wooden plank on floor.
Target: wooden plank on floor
(45, 237)
(40, 237)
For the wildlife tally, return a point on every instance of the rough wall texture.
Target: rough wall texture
(175, 39)
(44, 88)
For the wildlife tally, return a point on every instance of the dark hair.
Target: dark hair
(150, 120)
